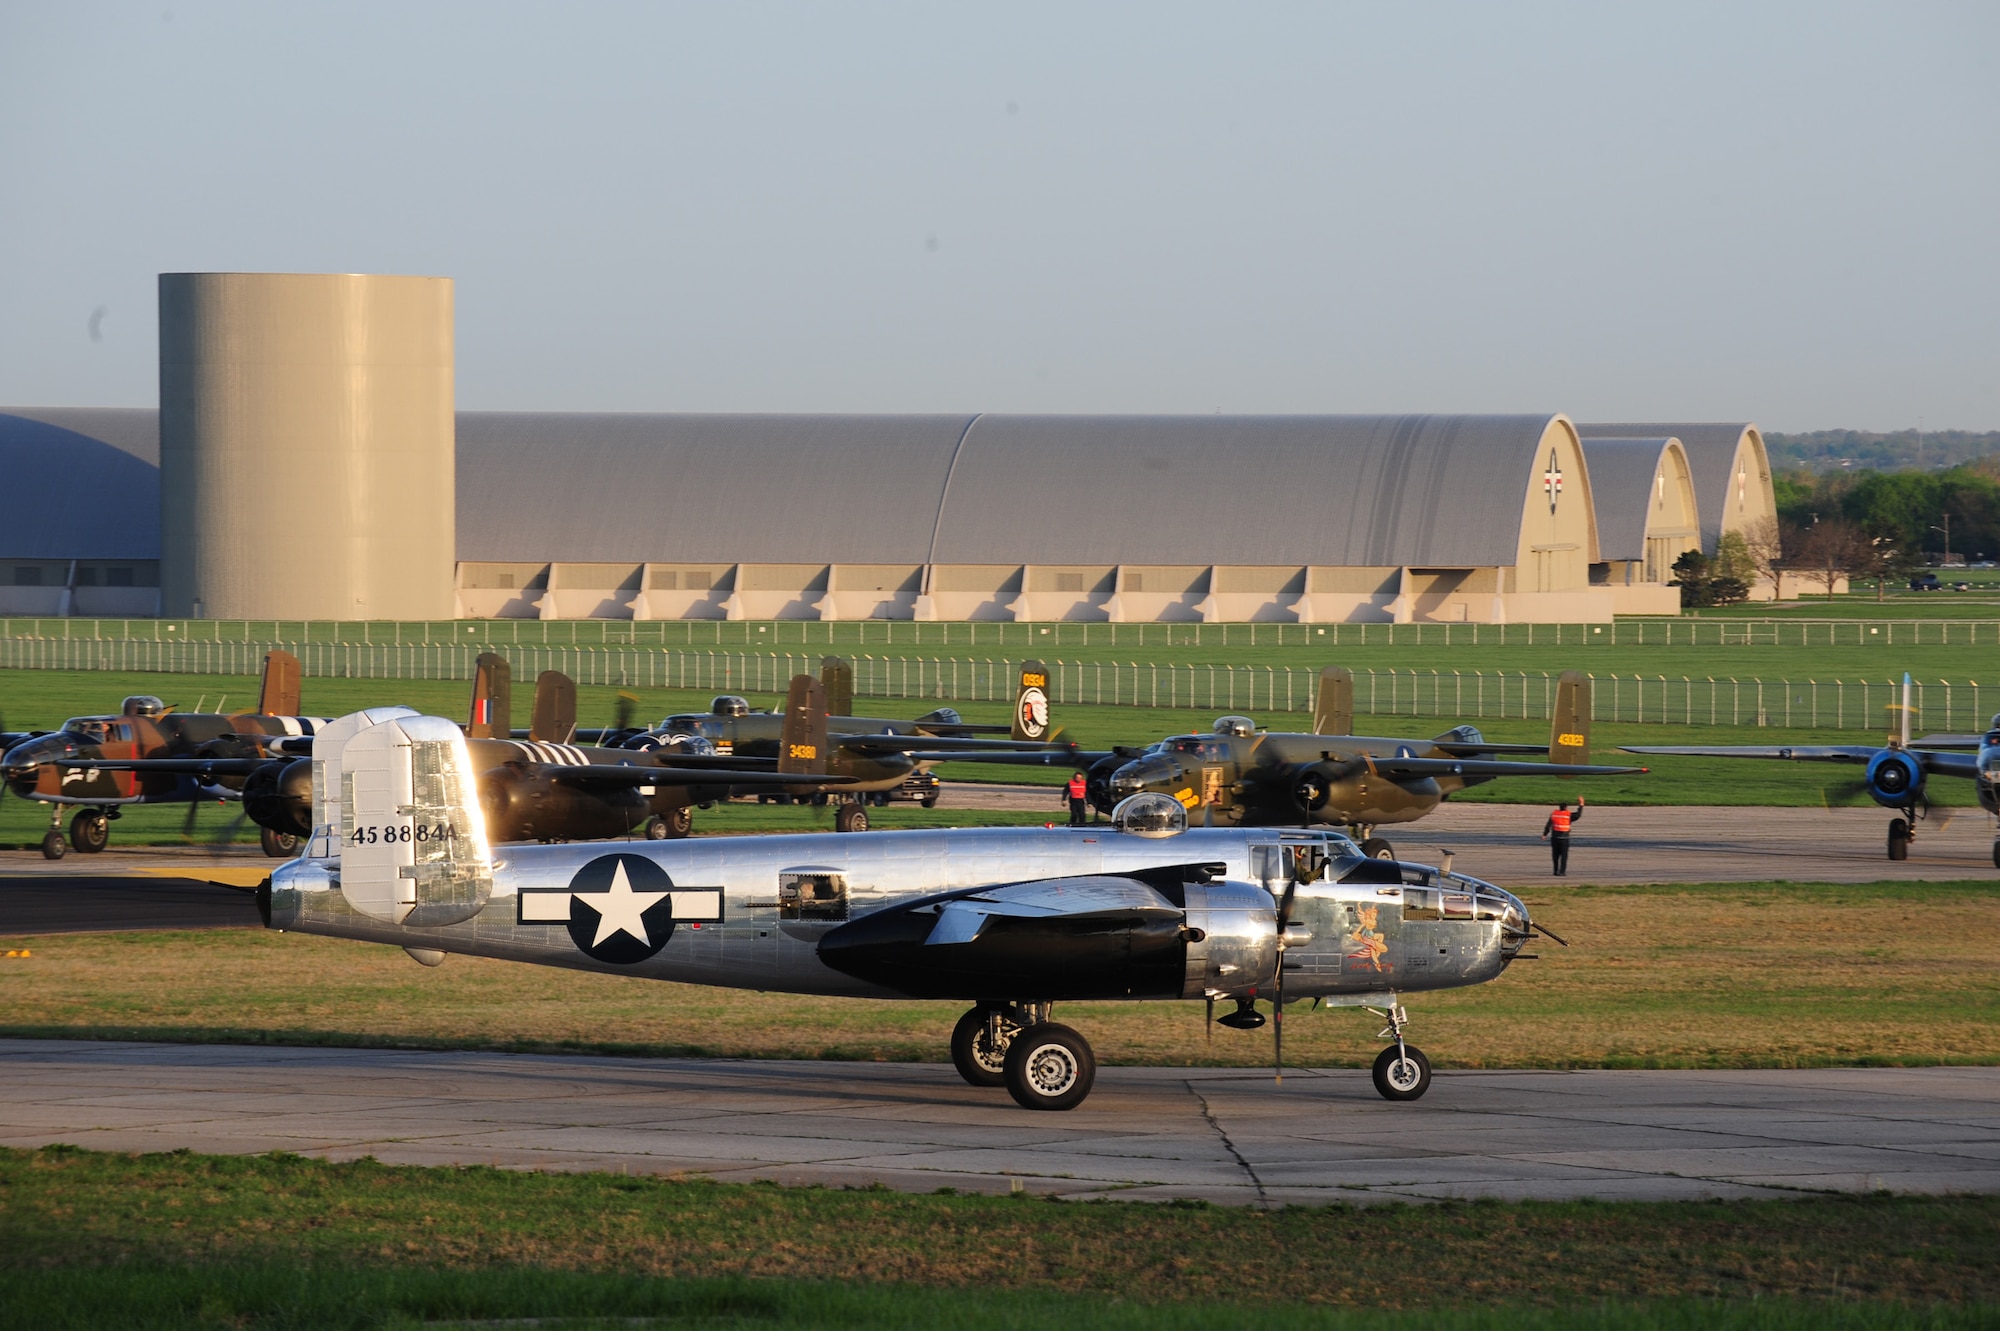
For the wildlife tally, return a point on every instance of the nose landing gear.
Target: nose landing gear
(1401, 1071)
(1902, 831)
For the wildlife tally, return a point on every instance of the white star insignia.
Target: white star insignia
(620, 909)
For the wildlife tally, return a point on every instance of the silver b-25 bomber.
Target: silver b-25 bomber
(1009, 921)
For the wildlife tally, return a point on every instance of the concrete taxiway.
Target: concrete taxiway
(1146, 1133)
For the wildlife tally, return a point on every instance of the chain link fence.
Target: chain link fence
(1002, 637)
(1820, 704)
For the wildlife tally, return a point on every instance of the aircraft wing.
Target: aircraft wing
(621, 774)
(1396, 768)
(1458, 749)
(177, 766)
(1073, 758)
(1819, 753)
(940, 744)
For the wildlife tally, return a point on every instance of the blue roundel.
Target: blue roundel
(621, 909)
(1895, 779)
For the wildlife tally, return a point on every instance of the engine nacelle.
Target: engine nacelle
(1895, 779)
(279, 795)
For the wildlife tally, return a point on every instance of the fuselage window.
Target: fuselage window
(1421, 903)
(812, 896)
(1457, 905)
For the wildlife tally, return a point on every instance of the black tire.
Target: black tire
(53, 845)
(880, 799)
(277, 845)
(89, 832)
(850, 818)
(1049, 1067)
(1402, 1072)
(1375, 848)
(1996, 854)
(1899, 839)
(976, 1060)
(671, 825)
(930, 802)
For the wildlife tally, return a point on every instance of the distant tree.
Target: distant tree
(1884, 559)
(1827, 551)
(1702, 583)
(1764, 546)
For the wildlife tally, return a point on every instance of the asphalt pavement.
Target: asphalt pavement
(1153, 1134)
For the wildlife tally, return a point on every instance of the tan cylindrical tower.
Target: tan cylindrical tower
(306, 446)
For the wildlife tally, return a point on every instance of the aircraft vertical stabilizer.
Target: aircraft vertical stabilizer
(836, 676)
(1569, 727)
(279, 695)
(1333, 708)
(802, 745)
(555, 708)
(1031, 702)
(492, 698)
(413, 847)
(328, 742)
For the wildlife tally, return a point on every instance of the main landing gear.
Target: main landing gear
(277, 845)
(1374, 847)
(850, 816)
(89, 832)
(1042, 1064)
(1902, 831)
(671, 825)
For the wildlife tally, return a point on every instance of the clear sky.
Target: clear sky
(1786, 212)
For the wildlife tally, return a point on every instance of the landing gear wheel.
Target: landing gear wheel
(1899, 839)
(973, 1052)
(1049, 1067)
(278, 845)
(850, 818)
(1375, 848)
(671, 825)
(90, 831)
(1402, 1072)
(53, 845)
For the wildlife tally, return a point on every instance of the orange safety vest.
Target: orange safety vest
(1077, 788)
(1559, 822)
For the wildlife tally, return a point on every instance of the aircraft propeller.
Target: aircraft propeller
(1278, 994)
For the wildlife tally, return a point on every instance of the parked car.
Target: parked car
(917, 788)
(1926, 582)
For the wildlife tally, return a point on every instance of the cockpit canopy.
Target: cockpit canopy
(728, 704)
(1202, 748)
(1150, 814)
(143, 704)
(1242, 727)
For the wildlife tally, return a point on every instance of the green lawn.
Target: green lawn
(1680, 976)
(183, 1240)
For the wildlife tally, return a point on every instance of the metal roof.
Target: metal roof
(1443, 491)
(80, 483)
(1621, 483)
(1711, 449)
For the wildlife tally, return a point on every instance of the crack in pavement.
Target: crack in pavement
(1209, 1115)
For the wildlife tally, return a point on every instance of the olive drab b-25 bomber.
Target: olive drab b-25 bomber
(542, 787)
(1008, 921)
(878, 754)
(1239, 775)
(151, 754)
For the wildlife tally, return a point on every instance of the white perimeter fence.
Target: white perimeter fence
(1824, 704)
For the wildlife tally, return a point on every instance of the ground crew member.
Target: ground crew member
(1556, 832)
(1077, 790)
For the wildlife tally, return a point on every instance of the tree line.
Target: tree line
(1867, 526)
(1894, 450)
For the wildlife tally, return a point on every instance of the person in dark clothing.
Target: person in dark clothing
(1077, 790)
(1556, 832)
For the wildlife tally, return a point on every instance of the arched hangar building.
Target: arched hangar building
(1306, 518)
(1274, 518)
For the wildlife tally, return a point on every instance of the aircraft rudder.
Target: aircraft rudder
(555, 708)
(836, 676)
(492, 714)
(802, 743)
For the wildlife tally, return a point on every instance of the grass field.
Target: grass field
(44, 698)
(1736, 975)
(181, 1240)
